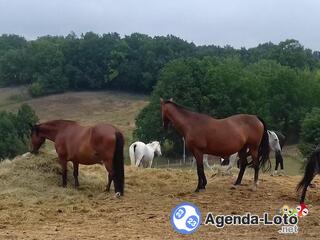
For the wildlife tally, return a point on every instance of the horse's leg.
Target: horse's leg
(255, 159)
(243, 164)
(64, 172)
(75, 174)
(109, 182)
(150, 162)
(202, 181)
(205, 161)
(139, 161)
(305, 186)
(277, 165)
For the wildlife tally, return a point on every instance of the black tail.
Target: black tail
(264, 149)
(118, 164)
(310, 169)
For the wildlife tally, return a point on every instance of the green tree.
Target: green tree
(310, 132)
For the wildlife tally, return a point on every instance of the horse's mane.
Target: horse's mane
(185, 110)
(178, 106)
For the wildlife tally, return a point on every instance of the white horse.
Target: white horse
(274, 145)
(141, 153)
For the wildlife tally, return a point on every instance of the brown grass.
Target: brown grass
(33, 205)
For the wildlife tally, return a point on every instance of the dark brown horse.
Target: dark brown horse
(102, 143)
(220, 137)
(312, 168)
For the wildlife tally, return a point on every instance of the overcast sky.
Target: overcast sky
(235, 22)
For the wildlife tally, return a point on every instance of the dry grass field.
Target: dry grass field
(33, 205)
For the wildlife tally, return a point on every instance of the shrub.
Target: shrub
(310, 132)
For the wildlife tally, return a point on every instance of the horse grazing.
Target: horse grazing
(220, 137)
(311, 170)
(141, 153)
(275, 145)
(102, 143)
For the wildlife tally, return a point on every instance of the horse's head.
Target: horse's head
(36, 139)
(165, 119)
(157, 148)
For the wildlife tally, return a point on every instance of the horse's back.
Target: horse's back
(229, 134)
(86, 145)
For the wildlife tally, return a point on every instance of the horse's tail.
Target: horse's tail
(264, 149)
(132, 155)
(118, 163)
(310, 169)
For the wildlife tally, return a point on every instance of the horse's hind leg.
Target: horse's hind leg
(109, 182)
(305, 187)
(75, 174)
(254, 155)
(243, 164)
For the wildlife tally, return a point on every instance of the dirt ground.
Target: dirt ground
(33, 205)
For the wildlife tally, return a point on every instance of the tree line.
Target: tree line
(281, 95)
(53, 64)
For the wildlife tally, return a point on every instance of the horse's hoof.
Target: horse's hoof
(197, 190)
(202, 190)
(254, 188)
(233, 187)
(117, 195)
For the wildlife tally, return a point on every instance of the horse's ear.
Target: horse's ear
(161, 100)
(171, 99)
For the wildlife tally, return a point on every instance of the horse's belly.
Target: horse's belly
(88, 159)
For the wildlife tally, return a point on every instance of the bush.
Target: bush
(36, 89)
(15, 131)
(310, 132)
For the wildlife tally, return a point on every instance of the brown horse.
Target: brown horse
(102, 143)
(221, 137)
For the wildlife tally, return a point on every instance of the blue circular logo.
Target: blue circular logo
(185, 218)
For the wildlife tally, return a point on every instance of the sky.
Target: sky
(239, 23)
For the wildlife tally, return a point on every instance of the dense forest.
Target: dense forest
(279, 82)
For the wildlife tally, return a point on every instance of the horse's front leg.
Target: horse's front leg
(202, 181)
(64, 172)
(75, 174)
(243, 164)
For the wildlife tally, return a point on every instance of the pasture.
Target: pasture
(33, 205)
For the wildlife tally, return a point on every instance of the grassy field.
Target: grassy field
(33, 205)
